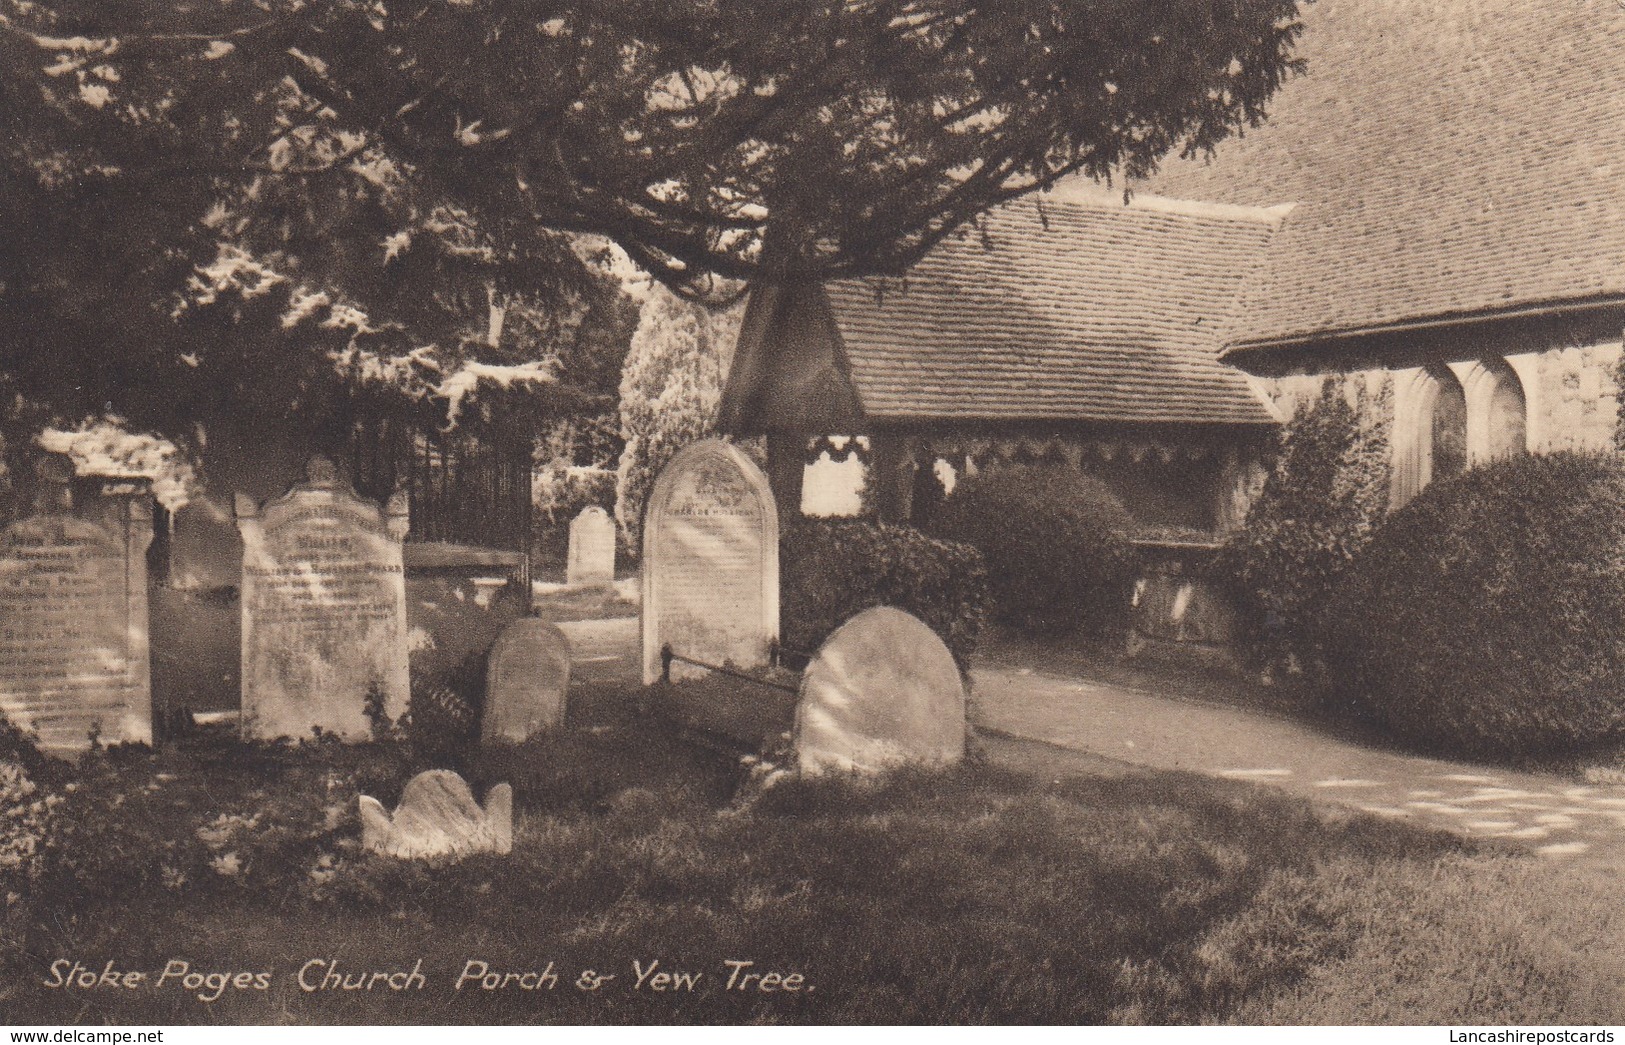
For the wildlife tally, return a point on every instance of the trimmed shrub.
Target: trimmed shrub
(1487, 617)
(1056, 545)
(1326, 492)
(831, 569)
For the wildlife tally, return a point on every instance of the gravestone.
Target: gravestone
(710, 562)
(73, 616)
(438, 817)
(526, 680)
(882, 690)
(592, 550)
(1177, 614)
(323, 610)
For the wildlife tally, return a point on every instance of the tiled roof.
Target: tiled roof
(1448, 159)
(1069, 306)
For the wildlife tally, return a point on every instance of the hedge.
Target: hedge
(831, 569)
(1487, 617)
(1056, 544)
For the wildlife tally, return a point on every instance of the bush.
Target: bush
(21, 747)
(25, 814)
(443, 723)
(831, 569)
(1328, 489)
(1487, 617)
(1056, 545)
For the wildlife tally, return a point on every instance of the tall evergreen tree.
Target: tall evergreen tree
(360, 182)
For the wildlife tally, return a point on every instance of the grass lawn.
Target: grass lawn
(980, 894)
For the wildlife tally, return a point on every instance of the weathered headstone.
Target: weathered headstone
(438, 817)
(710, 562)
(73, 618)
(883, 690)
(592, 549)
(324, 610)
(525, 681)
(1177, 614)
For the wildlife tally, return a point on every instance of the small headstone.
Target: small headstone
(710, 562)
(438, 817)
(592, 550)
(73, 617)
(324, 610)
(526, 680)
(883, 690)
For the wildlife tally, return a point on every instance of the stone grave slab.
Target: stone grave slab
(525, 682)
(323, 610)
(883, 690)
(591, 563)
(73, 615)
(710, 562)
(437, 817)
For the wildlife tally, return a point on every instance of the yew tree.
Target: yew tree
(304, 188)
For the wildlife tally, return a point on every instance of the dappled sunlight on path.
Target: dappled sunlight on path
(1553, 816)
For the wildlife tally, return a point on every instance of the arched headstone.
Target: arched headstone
(883, 690)
(526, 681)
(710, 561)
(73, 619)
(324, 610)
(592, 549)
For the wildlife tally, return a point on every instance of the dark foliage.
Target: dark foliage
(1486, 616)
(867, 126)
(128, 821)
(20, 747)
(920, 897)
(831, 569)
(443, 721)
(1056, 544)
(1328, 489)
(422, 162)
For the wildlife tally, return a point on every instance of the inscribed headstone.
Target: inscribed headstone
(525, 681)
(73, 620)
(592, 549)
(710, 562)
(324, 610)
(437, 817)
(882, 690)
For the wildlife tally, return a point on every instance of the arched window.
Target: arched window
(1447, 427)
(1506, 427)
(1430, 432)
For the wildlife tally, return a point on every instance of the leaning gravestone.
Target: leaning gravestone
(526, 681)
(73, 619)
(438, 817)
(324, 610)
(710, 562)
(883, 690)
(592, 550)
